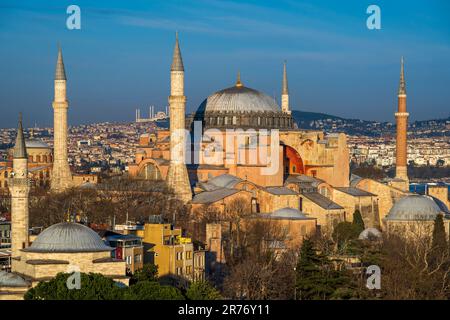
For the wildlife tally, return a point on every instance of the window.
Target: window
(179, 255)
(188, 269)
(300, 204)
(137, 258)
(188, 255)
(179, 271)
(128, 259)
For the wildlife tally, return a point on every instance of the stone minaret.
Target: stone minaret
(285, 92)
(61, 175)
(19, 188)
(177, 176)
(401, 116)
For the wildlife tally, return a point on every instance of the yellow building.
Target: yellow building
(165, 247)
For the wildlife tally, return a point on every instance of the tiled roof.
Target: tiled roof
(322, 201)
(213, 196)
(355, 191)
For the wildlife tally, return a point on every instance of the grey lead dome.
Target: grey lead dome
(68, 237)
(417, 207)
(239, 99)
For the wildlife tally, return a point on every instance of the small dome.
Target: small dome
(288, 213)
(239, 99)
(68, 237)
(223, 181)
(8, 279)
(417, 207)
(370, 234)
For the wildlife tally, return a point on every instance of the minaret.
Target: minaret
(285, 92)
(401, 117)
(19, 189)
(61, 175)
(177, 176)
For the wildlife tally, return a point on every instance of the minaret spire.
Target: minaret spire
(61, 175)
(285, 92)
(177, 61)
(177, 176)
(401, 180)
(285, 80)
(60, 73)
(20, 150)
(402, 85)
(19, 190)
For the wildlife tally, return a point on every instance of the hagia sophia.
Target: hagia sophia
(306, 184)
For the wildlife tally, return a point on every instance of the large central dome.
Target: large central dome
(239, 99)
(240, 107)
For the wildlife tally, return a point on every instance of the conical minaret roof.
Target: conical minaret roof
(285, 89)
(60, 73)
(402, 86)
(177, 61)
(20, 150)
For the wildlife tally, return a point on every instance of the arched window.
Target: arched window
(38, 158)
(6, 174)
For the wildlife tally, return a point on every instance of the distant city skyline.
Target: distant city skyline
(120, 59)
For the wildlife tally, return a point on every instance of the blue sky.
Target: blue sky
(120, 58)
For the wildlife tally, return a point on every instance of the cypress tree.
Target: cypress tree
(358, 220)
(439, 237)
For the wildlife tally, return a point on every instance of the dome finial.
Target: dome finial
(238, 81)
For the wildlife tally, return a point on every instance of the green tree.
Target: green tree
(439, 243)
(152, 290)
(318, 278)
(149, 272)
(344, 232)
(202, 290)
(358, 221)
(93, 287)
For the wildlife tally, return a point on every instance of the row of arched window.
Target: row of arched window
(40, 158)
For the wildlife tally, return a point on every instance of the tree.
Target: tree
(149, 272)
(344, 233)
(439, 243)
(202, 290)
(93, 287)
(318, 279)
(358, 221)
(152, 290)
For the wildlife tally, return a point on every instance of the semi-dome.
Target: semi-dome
(68, 237)
(238, 99)
(417, 207)
(288, 213)
(36, 144)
